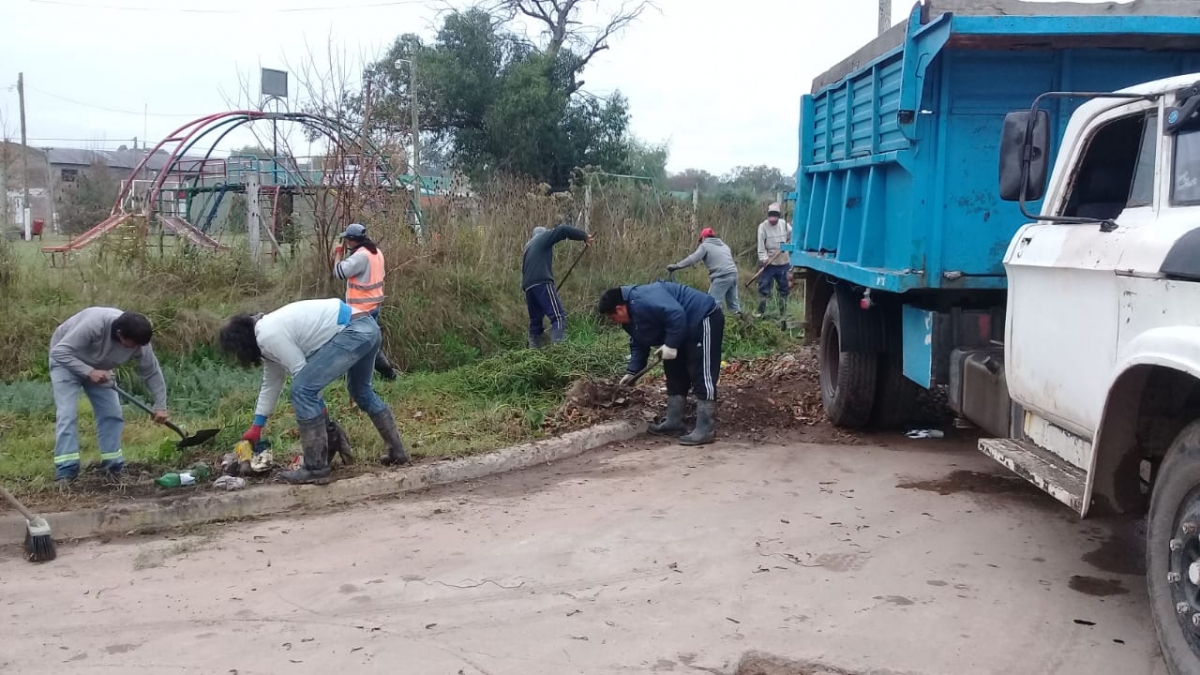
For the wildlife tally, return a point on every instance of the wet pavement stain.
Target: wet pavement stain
(1100, 588)
(976, 482)
(1122, 550)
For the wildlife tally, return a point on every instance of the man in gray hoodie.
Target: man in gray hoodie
(722, 271)
(83, 352)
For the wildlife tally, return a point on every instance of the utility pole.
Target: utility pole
(26, 209)
(416, 123)
(885, 16)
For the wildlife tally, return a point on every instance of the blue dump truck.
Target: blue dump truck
(1000, 201)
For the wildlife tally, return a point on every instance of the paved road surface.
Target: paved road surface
(898, 557)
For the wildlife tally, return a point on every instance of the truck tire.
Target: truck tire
(896, 396)
(1175, 517)
(847, 378)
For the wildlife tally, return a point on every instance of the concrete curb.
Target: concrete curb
(194, 509)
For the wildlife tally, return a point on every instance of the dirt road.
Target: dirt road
(891, 556)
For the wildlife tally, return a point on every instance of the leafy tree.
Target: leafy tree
(91, 199)
(490, 100)
(690, 179)
(252, 151)
(762, 179)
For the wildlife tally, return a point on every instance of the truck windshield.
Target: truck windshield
(1185, 181)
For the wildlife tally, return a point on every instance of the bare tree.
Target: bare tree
(560, 24)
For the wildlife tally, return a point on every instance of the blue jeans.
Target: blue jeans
(777, 275)
(542, 301)
(110, 422)
(351, 353)
(725, 288)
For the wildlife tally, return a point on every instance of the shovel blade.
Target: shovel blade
(198, 438)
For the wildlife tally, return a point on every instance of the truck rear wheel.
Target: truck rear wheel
(1173, 554)
(896, 395)
(848, 379)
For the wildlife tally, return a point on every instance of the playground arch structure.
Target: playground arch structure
(183, 178)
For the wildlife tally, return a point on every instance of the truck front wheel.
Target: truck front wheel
(848, 379)
(1173, 554)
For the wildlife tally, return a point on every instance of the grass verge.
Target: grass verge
(490, 403)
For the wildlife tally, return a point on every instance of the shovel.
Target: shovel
(638, 375)
(202, 436)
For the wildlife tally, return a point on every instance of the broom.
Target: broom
(39, 545)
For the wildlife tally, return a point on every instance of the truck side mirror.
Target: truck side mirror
(1024, 155)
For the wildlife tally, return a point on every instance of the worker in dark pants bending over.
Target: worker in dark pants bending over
(776, 263)
(690, 326)
(537, 280)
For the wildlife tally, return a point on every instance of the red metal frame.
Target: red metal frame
(189, 130)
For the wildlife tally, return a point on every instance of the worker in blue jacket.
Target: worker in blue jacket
(690, 326)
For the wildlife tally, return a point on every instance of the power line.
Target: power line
(107, 109)
(200, 10)
(82, 140)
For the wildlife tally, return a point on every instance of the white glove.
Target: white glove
(627, 379)
(669, 353)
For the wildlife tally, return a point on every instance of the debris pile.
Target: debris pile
(779, 391)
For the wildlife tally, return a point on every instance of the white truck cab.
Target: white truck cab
(1102, 333)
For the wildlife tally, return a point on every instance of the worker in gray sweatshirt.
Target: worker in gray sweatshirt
(722, 271)
(83, 352)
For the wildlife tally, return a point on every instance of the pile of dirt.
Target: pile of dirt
(776, 392)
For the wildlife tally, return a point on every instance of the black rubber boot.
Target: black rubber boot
(314, 439)
(705, 432)
(338, 443)
(536, 341)
(558, 335)
(384, 367)
(385, 424)
(672, 424)
(762, 306)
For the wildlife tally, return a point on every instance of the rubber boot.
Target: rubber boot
(535, 341)
(704, 432)
(672, 424)
(314, 440)
(762, 306)
(385, 424)
(384, 367)
(338, 443)
(783, 306)
(558, 335)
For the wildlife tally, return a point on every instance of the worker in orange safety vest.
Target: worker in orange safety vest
(364, 272)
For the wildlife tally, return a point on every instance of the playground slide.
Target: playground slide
(190, 232)
(107, 225)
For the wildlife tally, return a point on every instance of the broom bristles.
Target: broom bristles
(39, 544)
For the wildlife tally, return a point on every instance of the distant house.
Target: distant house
(54, 171)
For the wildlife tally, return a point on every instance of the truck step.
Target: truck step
(1061, 480)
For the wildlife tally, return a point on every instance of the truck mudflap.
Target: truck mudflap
(1064, 482)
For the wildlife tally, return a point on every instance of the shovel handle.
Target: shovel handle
(146, 409)
(638, 375)
(570, 269)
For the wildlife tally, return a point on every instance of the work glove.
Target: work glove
(627, 380)
(253, 433)
(669, 353)
(672, 268)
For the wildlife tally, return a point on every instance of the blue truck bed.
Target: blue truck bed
(897, 180)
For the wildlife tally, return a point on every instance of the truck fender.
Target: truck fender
(1174, 349)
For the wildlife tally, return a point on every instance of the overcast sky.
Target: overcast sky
(719, 81)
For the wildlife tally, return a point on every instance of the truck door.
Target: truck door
(1064, 297)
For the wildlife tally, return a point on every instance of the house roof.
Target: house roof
(116, 159)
